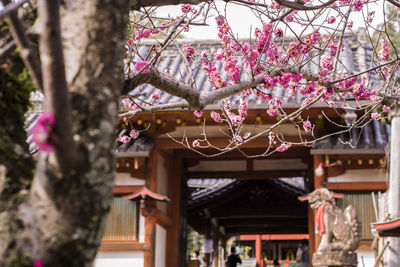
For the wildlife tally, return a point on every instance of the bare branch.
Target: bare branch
(181, 104)
(299, 6)
(27, 55)
(11, 7)
(166, 84)
(394, 2)
(54, 81)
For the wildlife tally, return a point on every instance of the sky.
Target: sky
(242, 20)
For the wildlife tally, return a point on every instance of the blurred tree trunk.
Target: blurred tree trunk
(56, 215)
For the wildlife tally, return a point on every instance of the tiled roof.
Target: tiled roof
(219, 188)
(370, 139)
(356, 57)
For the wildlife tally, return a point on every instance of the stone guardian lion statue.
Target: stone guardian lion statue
(339, 231)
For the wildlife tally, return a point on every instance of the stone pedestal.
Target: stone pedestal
(335, 258)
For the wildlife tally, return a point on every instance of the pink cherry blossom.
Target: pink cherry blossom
(283, 147)
(41, 132)
(384, 53)
(38, 263)
(156, 96)
(246, 135)
(386, 108)
(238, 139)
(289, 18)
(188, 50)
(216, 117)
(307, 126)
(279, 33)
(134, 134)
(196, 143)
(140, 65)
(375, 116)
(331, 20)
(124, 139)
(198, 113)
(186, 8)
(220, 20)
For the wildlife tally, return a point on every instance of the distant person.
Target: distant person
(302, 254)
(233, 259)
(196, 256)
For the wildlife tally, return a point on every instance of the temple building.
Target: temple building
(162, 188)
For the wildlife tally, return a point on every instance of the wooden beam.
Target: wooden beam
(161, 218)
(169, 118)
(293, 152)
(261, 142)
(246, 175)
(358, 186)
(262, 221)
(277, 230)
(126, 189)
(121, 245)
(235, 212)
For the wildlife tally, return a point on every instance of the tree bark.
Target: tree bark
(61, 219)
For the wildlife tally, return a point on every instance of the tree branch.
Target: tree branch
(26, 52)
(166, 84)
(288, 4)
(54, 82)
(11, 7)
(393, 2)
(181, 104)
(298, 6)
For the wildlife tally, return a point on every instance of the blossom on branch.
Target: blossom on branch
(140, 65)
(41, 132)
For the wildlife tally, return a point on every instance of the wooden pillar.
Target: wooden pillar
(173, 208)
(258, 250)
(392, 253)
(150, 240)
(150, 221)
(311, 233)
(320, 178)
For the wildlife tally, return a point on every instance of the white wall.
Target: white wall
(358, 175)
(161, 242)
(125, 178)
(119, 259)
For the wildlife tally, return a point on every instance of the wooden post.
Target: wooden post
(258, 250)
(150, 240)
(150, 221)
(173, 209)
(311, 234)
(392, 253)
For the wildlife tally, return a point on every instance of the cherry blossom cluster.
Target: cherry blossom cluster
(384, 52)
(133, 134)
(188, 51)
(41, 132)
